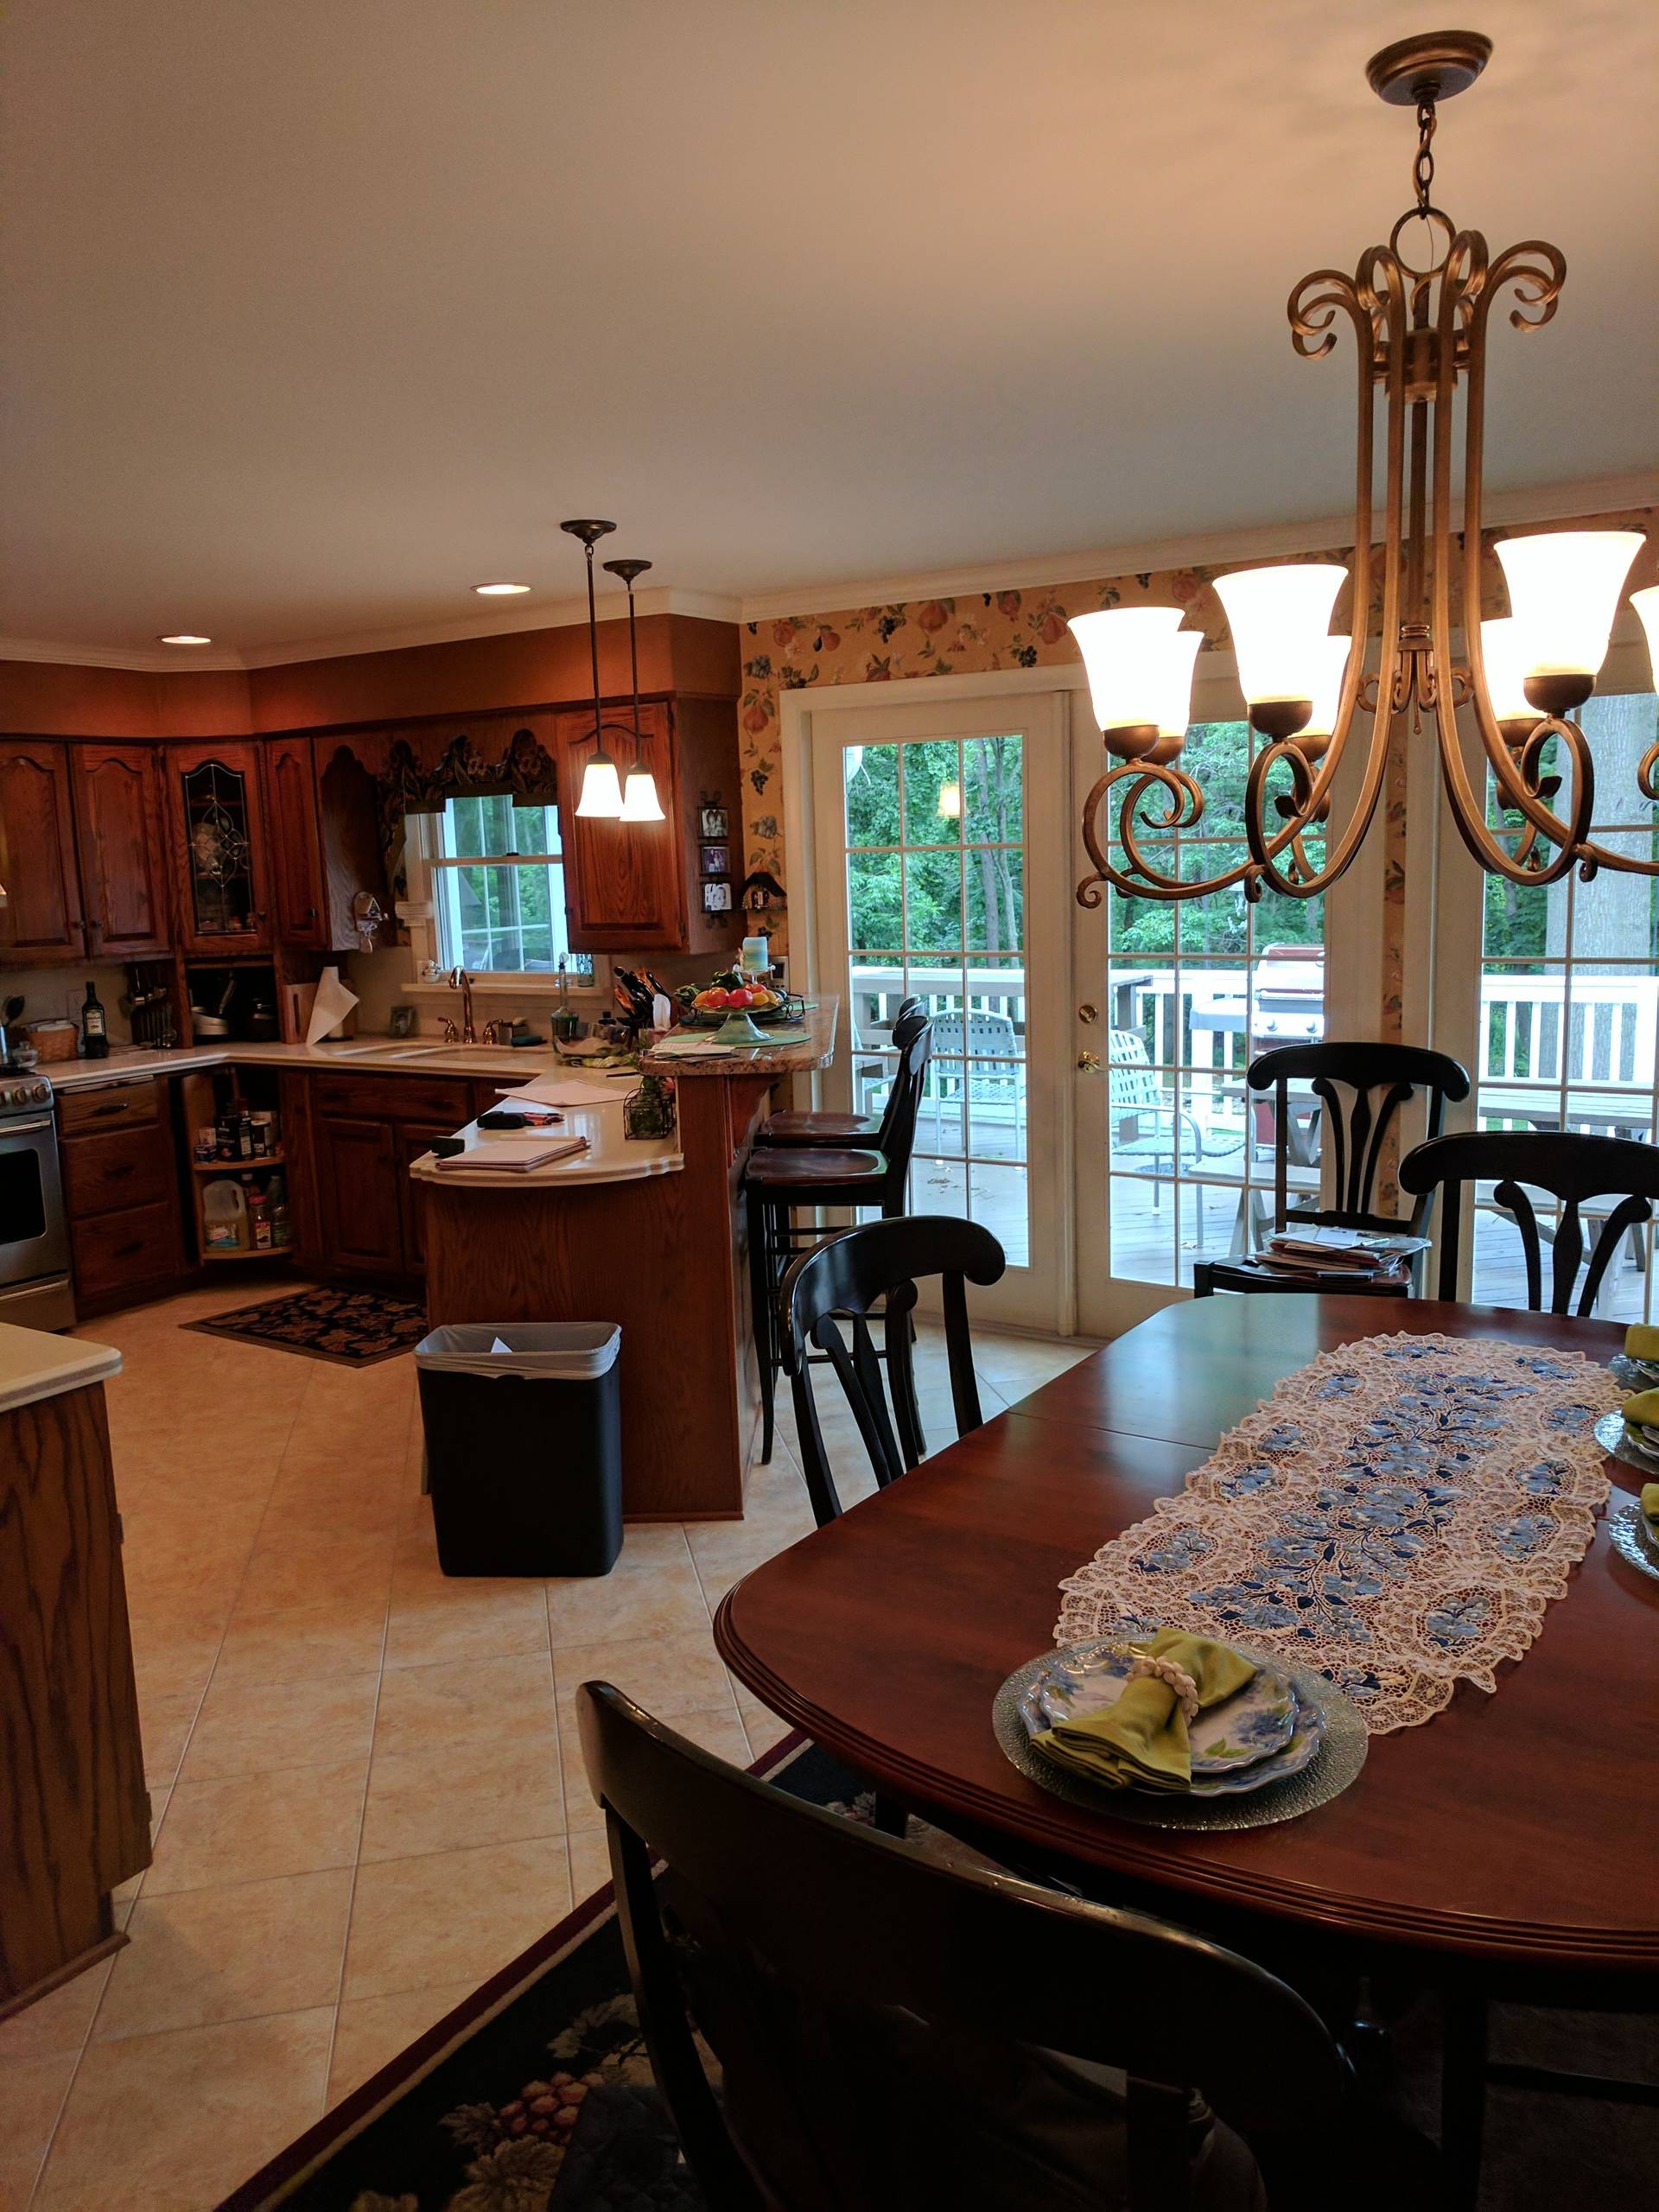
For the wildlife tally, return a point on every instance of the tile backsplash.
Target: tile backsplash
(48, 993)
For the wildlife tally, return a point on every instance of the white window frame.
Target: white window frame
(426, 865)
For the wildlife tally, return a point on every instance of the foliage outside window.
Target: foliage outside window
(497, 889)
(928, 881)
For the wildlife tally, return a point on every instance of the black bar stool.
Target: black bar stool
(819, 1127)
(780, 1177)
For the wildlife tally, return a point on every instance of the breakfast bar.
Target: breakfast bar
(647, 1233)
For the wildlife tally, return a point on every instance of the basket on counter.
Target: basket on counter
(54, 1040)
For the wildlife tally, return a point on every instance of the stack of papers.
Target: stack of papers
(568, 1090)
(1336, 1254)
(513, 1155)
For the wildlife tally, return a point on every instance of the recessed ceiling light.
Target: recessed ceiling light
(498, 591)
(186, 638)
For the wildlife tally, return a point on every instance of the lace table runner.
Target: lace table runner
(1398, 1514)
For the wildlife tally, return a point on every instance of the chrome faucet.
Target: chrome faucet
(461, 982)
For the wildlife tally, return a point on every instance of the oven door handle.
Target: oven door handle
(23, 1128)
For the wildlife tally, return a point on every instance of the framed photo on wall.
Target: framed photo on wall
(714, 823)
(713, 860)
(717, 898)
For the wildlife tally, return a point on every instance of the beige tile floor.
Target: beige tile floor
(366, 1779)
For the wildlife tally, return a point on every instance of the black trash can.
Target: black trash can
(523, 1446)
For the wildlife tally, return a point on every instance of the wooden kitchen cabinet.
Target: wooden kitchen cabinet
(120, 1191)
(118, 808)
(360, 1215)
(41, 920)
(296, 845)
(636, 886)
(216, 818)
(413, 1139)
(78, 1818)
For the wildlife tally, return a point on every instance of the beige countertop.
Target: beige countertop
(363, 1055)
(34, 1364)
(610, 1157)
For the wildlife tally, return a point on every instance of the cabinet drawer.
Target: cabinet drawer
(117, 1168)
(393, 1098)
(119, 1249)
(118, 1107)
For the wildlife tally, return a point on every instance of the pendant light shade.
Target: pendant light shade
(639, 802)
(601, 788)
(1503, 649)
(1564, 588)
(1646, 604)
(1280, 621)
(1139, 661)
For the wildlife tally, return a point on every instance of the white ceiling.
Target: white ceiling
(316, 312)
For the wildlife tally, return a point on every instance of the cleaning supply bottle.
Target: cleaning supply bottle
(282, 1228)
(259, 1233)
(224, 1216)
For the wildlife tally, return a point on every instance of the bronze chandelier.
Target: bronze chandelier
(1420, 333)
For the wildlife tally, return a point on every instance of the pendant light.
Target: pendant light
(640, 799)
(601, 790)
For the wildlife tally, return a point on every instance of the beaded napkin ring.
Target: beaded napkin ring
(1173, 1677)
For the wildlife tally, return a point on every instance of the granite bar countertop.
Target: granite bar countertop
(817, 1051)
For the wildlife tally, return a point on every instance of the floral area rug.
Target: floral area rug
(355, 1327)
(1398, 1514)
(535, 2093)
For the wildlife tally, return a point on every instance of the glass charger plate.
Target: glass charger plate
(1630, 1375)
(1615, 1439)
(1337, 1764)
(1633, 1539)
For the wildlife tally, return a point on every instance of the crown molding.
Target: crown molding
(1272, 541)
(537, 614)
(138, 659)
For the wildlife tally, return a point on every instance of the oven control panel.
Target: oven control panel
(16, 1098)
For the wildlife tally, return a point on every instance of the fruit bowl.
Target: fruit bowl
(772, 1007)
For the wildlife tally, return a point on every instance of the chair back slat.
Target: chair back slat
(1381, 1080)
(828, 1296)
(1571, 1168)
(908, 1024)
(811, 1935)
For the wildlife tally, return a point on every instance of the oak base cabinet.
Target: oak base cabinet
(77, 1820)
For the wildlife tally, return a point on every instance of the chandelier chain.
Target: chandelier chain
(1423, 167)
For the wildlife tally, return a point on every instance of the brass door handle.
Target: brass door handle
(1087, 1013)
(1089, 1062)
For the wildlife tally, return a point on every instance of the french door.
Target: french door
(938, 829)
(1550, 997)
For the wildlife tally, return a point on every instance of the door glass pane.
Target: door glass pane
(218, 858)
(1569, 1009)
(936, 908)
(1195, 989)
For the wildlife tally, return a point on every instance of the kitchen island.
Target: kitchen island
(648, 1234)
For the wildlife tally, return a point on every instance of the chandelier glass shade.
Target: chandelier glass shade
(1417, 314)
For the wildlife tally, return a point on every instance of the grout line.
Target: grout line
(357, 1856)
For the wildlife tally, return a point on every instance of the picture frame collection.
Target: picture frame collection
(714, 858)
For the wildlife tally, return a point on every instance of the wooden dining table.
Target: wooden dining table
(1503, 1849)
(1506, 1846)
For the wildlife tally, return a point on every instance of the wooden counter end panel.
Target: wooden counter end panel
(78, 1816)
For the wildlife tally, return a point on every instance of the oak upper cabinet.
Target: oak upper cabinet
(636, 886)
(118, 806)
(41, 918)
(295, 848)
(220, 860)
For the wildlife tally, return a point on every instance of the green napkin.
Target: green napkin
(1641, 1342)
(1650, 1502)
(1642, 1410)
(1141, 1740)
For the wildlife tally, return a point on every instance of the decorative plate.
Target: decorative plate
(1632, 1374)
(1616, 1439)
(1240, 1733)
(1632, 1537)
(1333, 1764)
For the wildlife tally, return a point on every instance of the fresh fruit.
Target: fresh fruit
(742, 996)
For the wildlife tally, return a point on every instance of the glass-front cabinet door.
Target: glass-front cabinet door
(219, 848)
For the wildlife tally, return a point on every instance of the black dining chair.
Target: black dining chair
(779, 1179)
(821, 1126)
(1571, 1169)
(899, 2035)
(1380, 1080)
(829, 1296)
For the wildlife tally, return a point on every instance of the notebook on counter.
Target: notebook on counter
(513, 1155)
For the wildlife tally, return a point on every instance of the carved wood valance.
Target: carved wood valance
(463, 770)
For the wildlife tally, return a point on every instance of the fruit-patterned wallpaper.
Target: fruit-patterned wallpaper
(972, 633)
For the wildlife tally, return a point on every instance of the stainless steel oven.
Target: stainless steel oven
(34, 1286)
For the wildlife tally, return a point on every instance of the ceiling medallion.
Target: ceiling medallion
(1418, 309)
